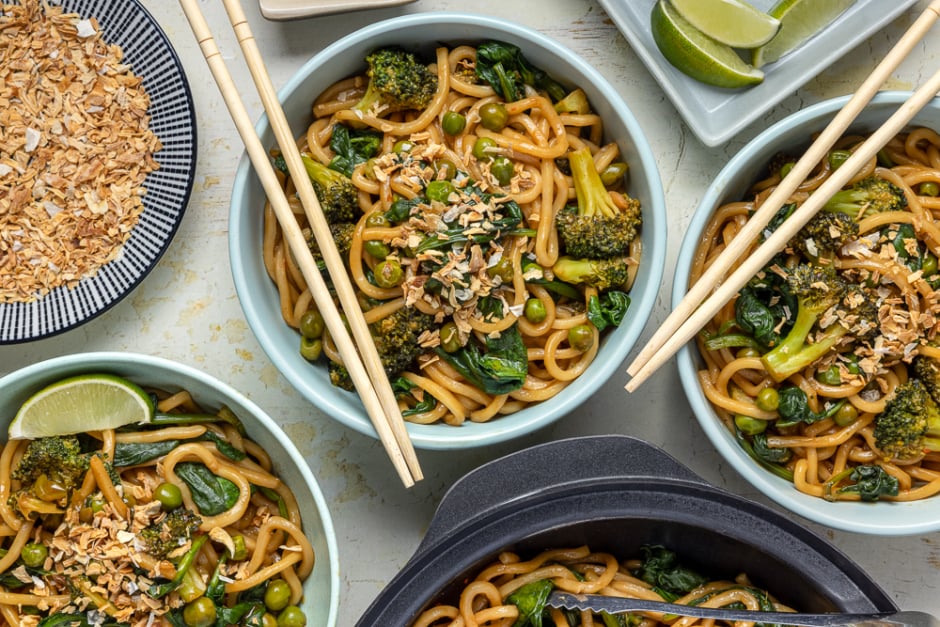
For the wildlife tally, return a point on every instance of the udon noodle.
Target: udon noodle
(103, 550)
(504, 591)
(836, 451)
(521, 164)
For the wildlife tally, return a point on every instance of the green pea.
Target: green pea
(277, 595)
(377, 248)
(768, 399)
(845, 415)
(292, 616)
(929, 265)
(502, 169)
(494, 116)
(311, 348)
(268, 620)
(377, 219)
(483, 148)
(450, 337)
(502, 269)
(928, 188)
(311, 324)
(581, 337)
(535, 310)
(199, 613)
(747, 352)
(785, 168)
(402, 145)
(169, 495)
(748, 425)
(838, 157)
(614, 173)
(34, 554)
(445, 169)
(439, 190)
(388, 273)
(830, 376)
(453, 123)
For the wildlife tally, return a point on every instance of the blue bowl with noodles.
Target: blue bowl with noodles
(320, 601)
(791, 135)
(422, 33)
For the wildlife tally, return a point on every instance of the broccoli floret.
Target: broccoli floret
(338, 197)
(867, 197)
(169, 533)
(910, 423)
(397, 81)
(600, 273)
(396, 338)
(927, 369)
(51, 467)
(597, 228)
(825, 234)
(817, 289)
(342, 235)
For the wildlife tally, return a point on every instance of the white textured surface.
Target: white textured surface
(187, 309)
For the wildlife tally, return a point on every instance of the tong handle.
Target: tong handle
(619, 605)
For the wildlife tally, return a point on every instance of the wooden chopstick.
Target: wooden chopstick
(334, 262)
(386, 420)
(790, 227)
(663, 339)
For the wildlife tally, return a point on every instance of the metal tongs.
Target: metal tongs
(620, 605)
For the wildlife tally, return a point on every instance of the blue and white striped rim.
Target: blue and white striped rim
(173, 119)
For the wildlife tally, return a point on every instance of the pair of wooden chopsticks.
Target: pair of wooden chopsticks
(364, 366)
(695, 310)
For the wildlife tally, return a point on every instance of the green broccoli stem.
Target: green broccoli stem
(793, 353)
(158, 591)
(593, 197)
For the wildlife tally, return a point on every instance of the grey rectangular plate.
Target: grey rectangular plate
(715, 114)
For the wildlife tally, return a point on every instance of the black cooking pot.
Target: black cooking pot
(615, 494)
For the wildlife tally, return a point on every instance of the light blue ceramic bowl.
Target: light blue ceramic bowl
(791, 135)
(321, 589)
(424, 31)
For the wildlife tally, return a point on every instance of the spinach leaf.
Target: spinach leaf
(61, 620)
(871, 483)
(352, 147)
(211, 494)
(608, 309)
(531, 599)
(134, 453)
(660, 567)
(506, 69)
(223, 445)
(794, 408)
(502, 367)
(402, 388)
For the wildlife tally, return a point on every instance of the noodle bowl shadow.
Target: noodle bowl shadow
(321, 588)
(423, 32)
(791, 135)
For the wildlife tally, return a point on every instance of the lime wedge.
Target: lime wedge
(734, 23)
(799, 20)
(82, 403)
(696, 54)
